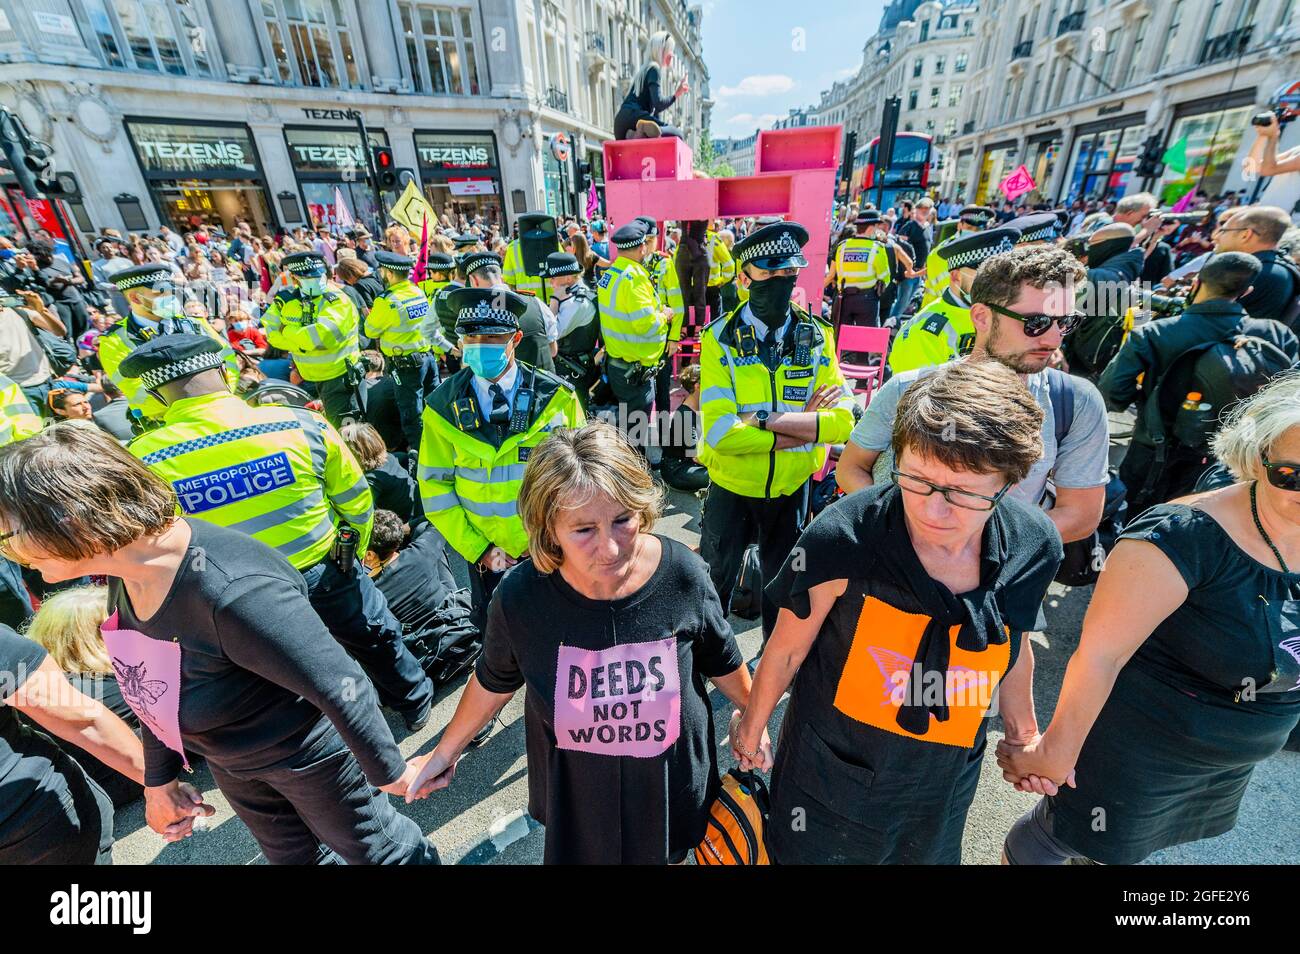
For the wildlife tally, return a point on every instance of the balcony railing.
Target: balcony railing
(596, 41)
(1022, 50)
(557, 99)
(1070, 23)
(1232, 43)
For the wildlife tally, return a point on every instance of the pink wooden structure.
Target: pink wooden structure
(794, 177)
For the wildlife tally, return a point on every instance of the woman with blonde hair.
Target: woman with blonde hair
(638, 117)
(67, 627)
(1187, 673)
(614, 631)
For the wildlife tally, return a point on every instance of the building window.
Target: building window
(150, 34)
(1135, 57)
(912, 96)
(101, 23)
(1108, 58)
(440, 46)
(311, 42)
(925, 31)
(934, 97)
(917, 65)
(950, 127)
(940, 62)
(968, 27)
(959, 63)
(1171, 34)
(954, 94)
(929, 126)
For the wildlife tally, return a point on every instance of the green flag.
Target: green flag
(1175, 156)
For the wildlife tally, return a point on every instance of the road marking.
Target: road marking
(500, 835)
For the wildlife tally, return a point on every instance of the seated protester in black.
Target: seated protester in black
(390, 482)
(638, 117)
(67, 627)
(678, 467)
(1214, 314)
(903, 607)
(379, 400)
(233, 663)
(51, 812)
(1183, 684)
(410, 567)
(614, 631)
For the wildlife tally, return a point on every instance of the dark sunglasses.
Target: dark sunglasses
(1037, 325)
(1282, 475)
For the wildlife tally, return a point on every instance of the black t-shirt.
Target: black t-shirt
(1272, 290)
(34, 773)
(683, 433)
(1159, 263)
(392, 487)
(382, 414)
(105, 689)
(420, 579)
(625, 771)
(915, 236)
(261, 676)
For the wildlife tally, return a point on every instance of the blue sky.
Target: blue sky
(757, 68)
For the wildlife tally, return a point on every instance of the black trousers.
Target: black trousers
(731, 523)
(357, 615)
(339, 401)
(318, 808)
(482, 584)
(414, 378)
(635, 401)
(858, 307)
(681, 473)
(70, 824)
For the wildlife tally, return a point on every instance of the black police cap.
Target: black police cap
(1036, 227)
(968, 251)
(167, 357)
(306, 264)
(629, 235)
(779, 245)
(440, 262)
(394, 262)
(560, 263)
(471, 262)
(151, 273)
(486, 311)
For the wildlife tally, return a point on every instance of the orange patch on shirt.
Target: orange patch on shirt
(876, 675)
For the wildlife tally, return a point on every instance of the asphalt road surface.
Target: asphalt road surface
(481, 818)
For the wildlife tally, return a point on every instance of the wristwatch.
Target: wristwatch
(761, 418)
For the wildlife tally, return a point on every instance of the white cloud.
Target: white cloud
(750, 121)
(846, 72)
(769, 84)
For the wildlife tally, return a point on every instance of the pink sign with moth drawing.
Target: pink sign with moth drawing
(149, 674)
(1017, 184)
(625, 700)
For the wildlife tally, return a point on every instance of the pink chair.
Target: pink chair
(863, 339)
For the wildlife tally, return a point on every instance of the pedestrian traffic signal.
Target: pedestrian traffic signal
(385, 167)
(30, 160)
(1149, 165)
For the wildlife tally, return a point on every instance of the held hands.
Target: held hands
(751, 750)
(1029, 768)
(401, 786)
(170, 809)
(673, 348)
(497, 560)
(431, 773)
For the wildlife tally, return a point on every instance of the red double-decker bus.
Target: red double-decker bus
(908, 175)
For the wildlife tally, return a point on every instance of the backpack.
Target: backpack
(1291, 313)
(1223, 372)
(737, 818)
(1083, 559)
(1095, 342)
(447, 643)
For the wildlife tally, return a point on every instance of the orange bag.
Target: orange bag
(737, 820)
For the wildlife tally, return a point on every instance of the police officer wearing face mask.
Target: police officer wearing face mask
(771, 399)
(320, 327)
(480, 426)
(155, 308)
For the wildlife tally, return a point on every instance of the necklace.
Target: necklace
(1254, 512)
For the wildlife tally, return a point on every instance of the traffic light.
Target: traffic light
(1149, 165)
(29, 159)
(584, 176)
(385, 167)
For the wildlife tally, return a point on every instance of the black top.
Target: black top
(392, 487)
(683, 433)
(1159, 263)
(368, 287)
(420, 579)
(535, 348)
(874, 788)
(35, 776)
(914, 234)
(378, 396)
(1272, 290)
(261, 676)
(648, 99)
(104, 688)
(1173, 748)
(634, 769)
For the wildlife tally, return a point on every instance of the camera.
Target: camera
(1166, 306)
(1183, 218)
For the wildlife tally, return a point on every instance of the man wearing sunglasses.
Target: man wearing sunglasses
(943, 330)
(1215, 314)
(1022, 307)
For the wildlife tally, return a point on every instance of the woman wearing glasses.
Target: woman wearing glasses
(1187, 674)
(901, 613)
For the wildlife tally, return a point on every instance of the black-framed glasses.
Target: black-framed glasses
(6, 550)
(1037, 325)
(958, 498)
(1282, 475)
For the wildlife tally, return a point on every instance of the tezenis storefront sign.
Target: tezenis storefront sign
(177, 148)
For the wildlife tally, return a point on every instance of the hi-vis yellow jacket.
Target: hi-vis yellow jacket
(937, 334)
(861, 262)
(743, 458)
(322, 334)
(127, 335)
(722, 266)
(281, 475)
(631, 319)
(397, 320)
(470, 470)
(513, 274)
(17, 419)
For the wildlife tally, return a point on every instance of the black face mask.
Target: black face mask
(769, 299)
(1107, 249)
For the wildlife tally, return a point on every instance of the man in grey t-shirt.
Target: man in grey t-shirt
(1026, 283)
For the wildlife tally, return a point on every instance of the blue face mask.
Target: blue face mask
(313, 286)
(240, 325)
(488, 361)
(165, 306)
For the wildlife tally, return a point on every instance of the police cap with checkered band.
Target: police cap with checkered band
(471, 262)
(401, 264)
(630, 235)
(486, 311)
(440, 262)
(560, 263)
(779, 245)
(148, 275)
(1036, 227)
(968, 251)
(977, 215)
(167, 357)
(304, 264)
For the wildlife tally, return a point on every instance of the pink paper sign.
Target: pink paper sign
(149, 674)
(1017, 184)
(625, 700)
